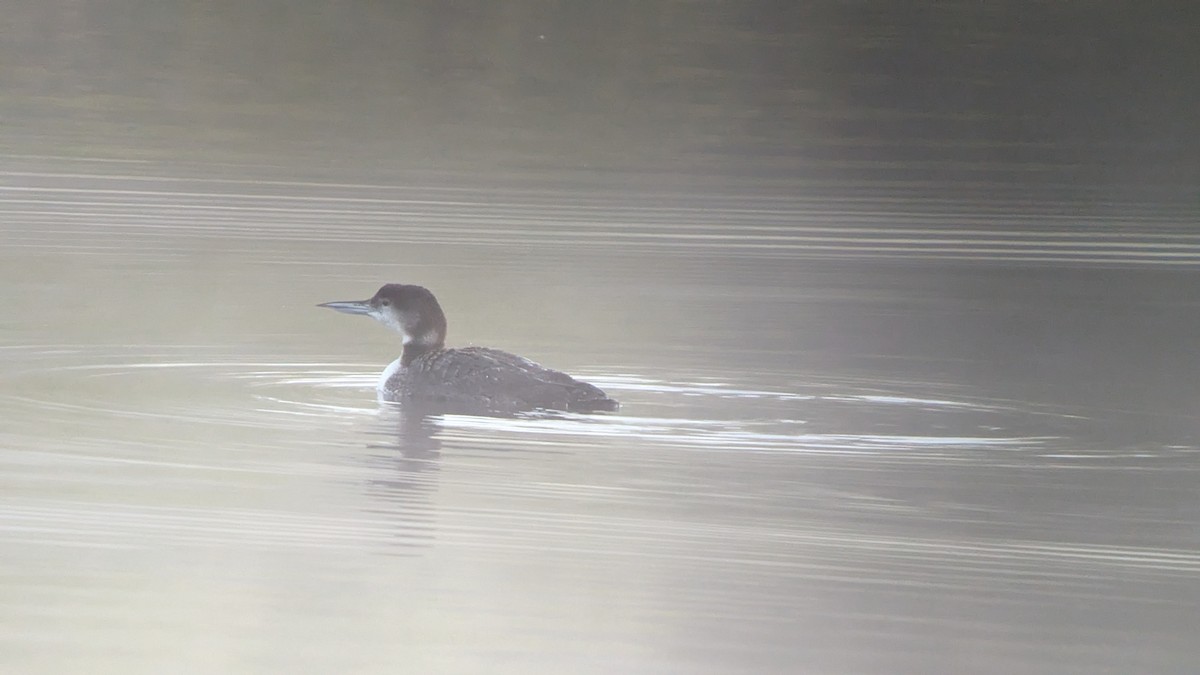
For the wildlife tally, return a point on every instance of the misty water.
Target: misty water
(812, 453)
(894, 399)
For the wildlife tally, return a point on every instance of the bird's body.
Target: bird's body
(492, 379)
(469, 378)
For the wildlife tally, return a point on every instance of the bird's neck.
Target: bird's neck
(428, 334)
(433, 339)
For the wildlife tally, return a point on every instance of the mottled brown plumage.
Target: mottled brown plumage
(469, 378)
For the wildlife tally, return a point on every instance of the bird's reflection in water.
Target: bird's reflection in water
(414, 430)
(404, 464)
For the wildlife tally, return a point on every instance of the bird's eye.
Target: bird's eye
(385, 302)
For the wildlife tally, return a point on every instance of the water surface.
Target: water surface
(831, 465)
(900, 306)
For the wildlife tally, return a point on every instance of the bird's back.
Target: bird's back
(494, 380)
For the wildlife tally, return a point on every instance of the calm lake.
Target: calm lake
(903, 414)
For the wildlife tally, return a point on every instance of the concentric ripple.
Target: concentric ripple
(95, 386)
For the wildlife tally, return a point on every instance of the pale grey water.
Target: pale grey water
(819, 467)
(903, 328)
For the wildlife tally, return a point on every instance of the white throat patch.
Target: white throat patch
(391, 320)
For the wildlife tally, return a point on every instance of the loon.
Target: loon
(467, 378)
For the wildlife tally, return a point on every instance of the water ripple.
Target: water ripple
(40, 209)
